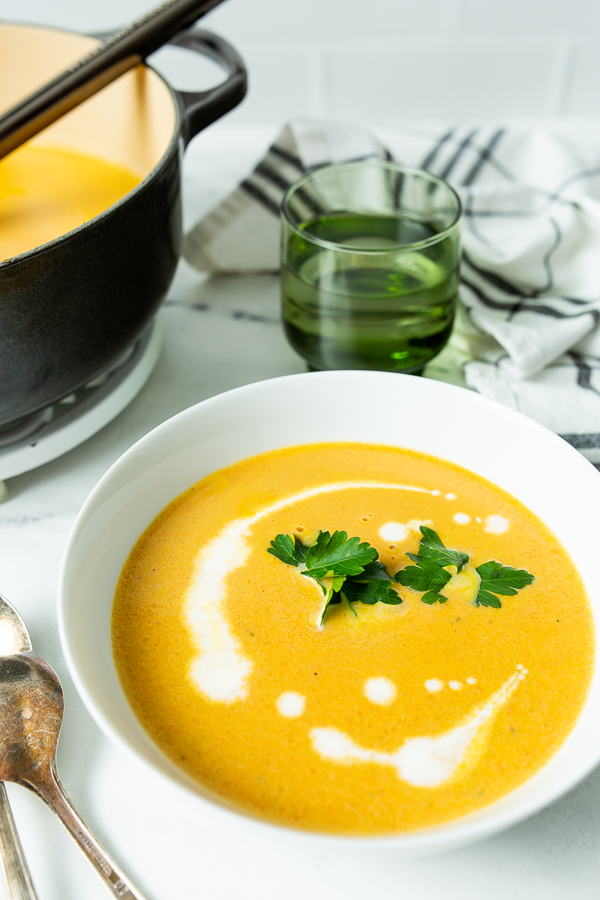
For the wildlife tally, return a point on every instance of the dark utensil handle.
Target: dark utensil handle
(100, 67)
(200, 108)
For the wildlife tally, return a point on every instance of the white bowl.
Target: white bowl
(514, 452)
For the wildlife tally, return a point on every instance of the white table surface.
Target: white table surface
(220, 333)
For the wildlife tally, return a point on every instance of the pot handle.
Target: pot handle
(201, 108)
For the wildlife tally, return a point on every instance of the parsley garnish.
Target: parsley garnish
(431, 549)
(499, 579)
(349, 570)
(426, 576)
(289, 550)
(344, 567)
(430, 574)
(337, 554)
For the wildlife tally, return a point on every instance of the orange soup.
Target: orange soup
(46, 192)
(374, 716)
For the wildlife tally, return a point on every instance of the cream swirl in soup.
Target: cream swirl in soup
(382, 718)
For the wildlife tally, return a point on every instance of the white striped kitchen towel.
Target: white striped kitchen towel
(528, 330)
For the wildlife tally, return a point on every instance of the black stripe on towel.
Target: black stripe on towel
(314, 206)
(445, 173)
(430, 158)
(272, 175)
(506, 306)
(547, 257)
(493, 278)
(582, 441)
(584, 372)
(502, 284)
(260, 196)
(484, 156)
(287, 157)
(512, 307)
(501, 213)
(577, 176)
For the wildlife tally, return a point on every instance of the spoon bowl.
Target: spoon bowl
(31, 712)
(14, 637)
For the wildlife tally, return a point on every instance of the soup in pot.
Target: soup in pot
(353, 639)
(46, 192)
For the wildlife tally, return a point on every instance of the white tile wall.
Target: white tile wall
(582, 88)
(280, 77)
(384, 60)
(532, 17)
(391, 81)
(330, 21)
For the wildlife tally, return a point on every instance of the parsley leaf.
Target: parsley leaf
(499, 579)
(285, 549)
(372, 586)
(337, 554)
(432, 597)
(331, 588)
(429, 575)
(374, 571)
(301, 550)
(370, 592)
(432, 549)
(344, 568)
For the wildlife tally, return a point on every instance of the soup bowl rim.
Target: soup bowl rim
(163, 443)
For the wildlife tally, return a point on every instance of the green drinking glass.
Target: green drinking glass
(369, 266)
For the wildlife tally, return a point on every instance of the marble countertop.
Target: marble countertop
(220, 333)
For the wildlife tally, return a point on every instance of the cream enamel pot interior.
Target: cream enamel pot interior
(71, 307)
(517, 454)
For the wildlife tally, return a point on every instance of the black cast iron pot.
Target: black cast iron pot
(71, 307)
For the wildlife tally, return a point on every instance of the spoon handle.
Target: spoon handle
(53, 793)
(99, 68)
(18, 879)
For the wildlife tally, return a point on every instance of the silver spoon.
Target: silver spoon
(13, 639)
(18, 880)
(31, 711)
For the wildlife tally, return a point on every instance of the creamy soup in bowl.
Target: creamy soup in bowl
(435, 687)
